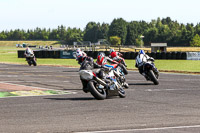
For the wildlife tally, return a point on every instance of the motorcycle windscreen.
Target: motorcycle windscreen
(86, 74)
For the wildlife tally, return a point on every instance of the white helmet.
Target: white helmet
(112, 50)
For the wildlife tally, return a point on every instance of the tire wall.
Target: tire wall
(126, 55)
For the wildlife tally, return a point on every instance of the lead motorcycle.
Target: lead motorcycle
(151, 72)
(101, 88)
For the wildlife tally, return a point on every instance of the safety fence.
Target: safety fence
(127, 55)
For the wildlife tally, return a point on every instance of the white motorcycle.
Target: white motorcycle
(102, 88)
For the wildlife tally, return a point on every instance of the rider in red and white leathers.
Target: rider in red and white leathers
(102, 59)
(117, 56)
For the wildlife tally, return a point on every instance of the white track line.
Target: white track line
(143, 129)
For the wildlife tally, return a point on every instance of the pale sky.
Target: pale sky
(29, 14)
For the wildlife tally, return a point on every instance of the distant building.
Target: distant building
(158, 47)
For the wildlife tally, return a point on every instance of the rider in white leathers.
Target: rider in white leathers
(141, 59)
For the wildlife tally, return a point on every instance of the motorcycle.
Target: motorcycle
(119, 68)
(151, 72)
(101, 88)
(122, 66)
(31, 59)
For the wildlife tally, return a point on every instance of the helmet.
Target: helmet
(79, 56)
(29, 51)
(112, 50)
(101, 59)
(141, 52)
(78, 49)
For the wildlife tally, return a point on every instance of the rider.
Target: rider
(141, 59)
(29, 53)
(117, 56)
(79, 51)
(102, 59)
(81, 57)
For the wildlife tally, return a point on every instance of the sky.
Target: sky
(29, 14)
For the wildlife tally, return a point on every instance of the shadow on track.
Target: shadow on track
(71, 71)
(73, 99)
(140, 84)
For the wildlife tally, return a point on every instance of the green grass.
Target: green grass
(9, 55)
(39, 43)
(172, 65)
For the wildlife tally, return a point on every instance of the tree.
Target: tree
(91, 32)
(115, 40)
(103, 31)
(118, 28)
(73, 35)
(195, 41)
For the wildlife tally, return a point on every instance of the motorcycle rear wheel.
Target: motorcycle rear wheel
(153, 77)
(99, 94)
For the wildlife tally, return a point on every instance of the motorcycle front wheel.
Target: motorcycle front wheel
(124, 69)
(99, 94)
(29, 63)
(153, 77)
(34, 63)
(122, 93)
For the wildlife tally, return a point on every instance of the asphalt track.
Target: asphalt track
(173, 106)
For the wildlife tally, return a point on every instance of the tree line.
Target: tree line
(133, 33)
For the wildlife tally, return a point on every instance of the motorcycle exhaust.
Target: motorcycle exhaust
(100, 81)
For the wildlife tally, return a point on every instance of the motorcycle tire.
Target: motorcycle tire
(122, 93)
(99, 94)
(29, 63)
(124, 69)
(153, 77)
(34, 63)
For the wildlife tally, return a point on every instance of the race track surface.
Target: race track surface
(172, 106)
